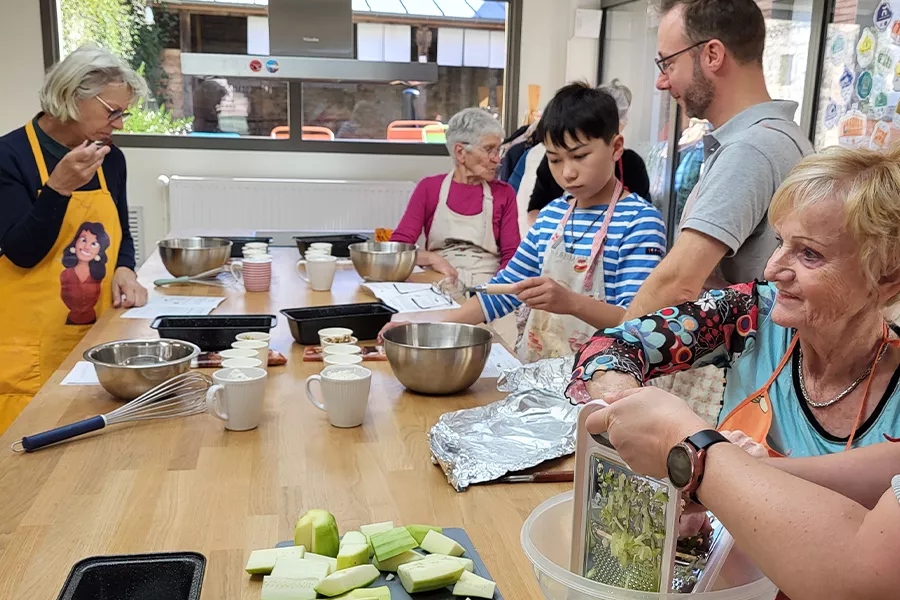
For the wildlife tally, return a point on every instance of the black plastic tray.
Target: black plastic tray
(211, 332)
(165, 576)
(340, 243)
(237, 244)
(397, 591)
(366, 320)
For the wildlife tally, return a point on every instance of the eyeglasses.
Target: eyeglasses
(664, 62)
(114, 113)
(491, 152)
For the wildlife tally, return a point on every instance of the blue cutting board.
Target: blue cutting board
(397, 591)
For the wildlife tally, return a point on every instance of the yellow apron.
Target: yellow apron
(48, 308)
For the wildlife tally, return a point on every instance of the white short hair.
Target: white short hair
(84, 74)
(469, 126)
(622, 95)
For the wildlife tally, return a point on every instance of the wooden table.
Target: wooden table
(187, 484)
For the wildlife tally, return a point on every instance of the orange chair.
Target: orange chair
(310, 133)
(408, 131)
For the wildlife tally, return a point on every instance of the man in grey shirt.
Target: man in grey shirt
(710, 61)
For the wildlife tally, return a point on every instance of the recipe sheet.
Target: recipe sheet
(174, 305)
(499, 360)
(83, 373)
(410, 297)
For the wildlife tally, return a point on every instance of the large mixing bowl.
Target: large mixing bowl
(547, 539)
(128, 368)
(437, 358)
(192, 256)
(384, 261)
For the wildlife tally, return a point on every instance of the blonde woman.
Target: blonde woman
(66, 252)
(812, 365)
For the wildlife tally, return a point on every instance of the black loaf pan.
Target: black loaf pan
(237, 243)
(366, 320)
(165, 576)
(340, 244)
(211, 332)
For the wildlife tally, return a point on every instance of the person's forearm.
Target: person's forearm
(596, 313)
(28, 241)
(811, 542)
(872, 468)
(661, 289)
(470, 313)
(607, 382)
(426, 258)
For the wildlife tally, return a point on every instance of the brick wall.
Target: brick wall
(175, 87)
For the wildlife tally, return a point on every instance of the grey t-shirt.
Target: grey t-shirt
(745, 161)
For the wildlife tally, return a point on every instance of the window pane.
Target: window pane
(860, 85)
(787, 48)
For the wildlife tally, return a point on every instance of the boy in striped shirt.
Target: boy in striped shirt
(588, 252)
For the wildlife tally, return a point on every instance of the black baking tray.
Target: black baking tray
(366, 320)
(340, 243)
(164, 576)
(237, 243)
(211, 332)
(397, 591)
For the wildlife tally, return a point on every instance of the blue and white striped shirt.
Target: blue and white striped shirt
(635, 244)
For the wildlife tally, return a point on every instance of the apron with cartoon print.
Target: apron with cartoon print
(549, 335)
(53, 304)
(467, 242)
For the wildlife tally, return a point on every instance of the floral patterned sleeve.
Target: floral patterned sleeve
(711, 330)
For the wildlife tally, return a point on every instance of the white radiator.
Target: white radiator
(284, 204)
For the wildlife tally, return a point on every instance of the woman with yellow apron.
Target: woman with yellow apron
(66, 253)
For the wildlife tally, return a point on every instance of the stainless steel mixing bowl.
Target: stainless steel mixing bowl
(128, 368)
(192, 256)
(384, 261)
(437, 358)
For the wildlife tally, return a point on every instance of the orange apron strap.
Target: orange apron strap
(38, 153)
(885, 341)
(753, 415)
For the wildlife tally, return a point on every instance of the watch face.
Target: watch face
(679, 466)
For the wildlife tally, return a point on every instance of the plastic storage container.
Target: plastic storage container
(168, 576)
(546, 540)
(211, 332)
(366, 320)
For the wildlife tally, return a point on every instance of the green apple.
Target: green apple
(472, 585)
(438, 543)
(341, 582)
(425, 576)
(392, 564)
(279, 588)
(261, 562)
(317, 530)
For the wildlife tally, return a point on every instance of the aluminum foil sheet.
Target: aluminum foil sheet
(535, 423)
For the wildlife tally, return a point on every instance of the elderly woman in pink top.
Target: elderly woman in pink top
(470, 220)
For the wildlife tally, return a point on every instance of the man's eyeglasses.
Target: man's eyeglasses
(114, 113)
(665, 62)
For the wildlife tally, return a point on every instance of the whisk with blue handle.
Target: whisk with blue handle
(181, 396)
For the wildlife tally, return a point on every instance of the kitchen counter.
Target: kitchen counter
(187, 484)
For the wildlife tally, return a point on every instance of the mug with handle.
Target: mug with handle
(238, 402)
(345, 394)
(319, 271)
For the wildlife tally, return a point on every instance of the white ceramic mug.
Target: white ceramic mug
(238, 402)
(257, 272)
(344, 399)
(261, 348)
(341, 349)
(342, 359)
(319, 273)
(242, 363)
(254, 336)
(322, 246)
(238, 353)
(256, 246)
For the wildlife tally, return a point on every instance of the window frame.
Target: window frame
(50, 38)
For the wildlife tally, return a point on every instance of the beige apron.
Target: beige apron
(467, 242)
(549, 335)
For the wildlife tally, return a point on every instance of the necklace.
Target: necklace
(843, 394)
(583, 233)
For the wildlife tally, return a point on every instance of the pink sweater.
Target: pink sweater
(465, 200)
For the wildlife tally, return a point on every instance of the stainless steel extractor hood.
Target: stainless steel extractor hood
(309, 40)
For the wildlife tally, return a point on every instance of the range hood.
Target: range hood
(309, 40)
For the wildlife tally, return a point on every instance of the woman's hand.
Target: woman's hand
(442, 265)
(126, 290)
(643, 425)
(77, 168)
(544, 293)
(746, 443)
(388, 327)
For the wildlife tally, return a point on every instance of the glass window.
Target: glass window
(467, 38)
(788, 27)
(860, 86)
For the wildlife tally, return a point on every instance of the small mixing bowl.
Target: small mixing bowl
(384, 261)
(186, 257)
(128, 368)
(437, 358)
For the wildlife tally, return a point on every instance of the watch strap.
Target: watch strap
(706, 438)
